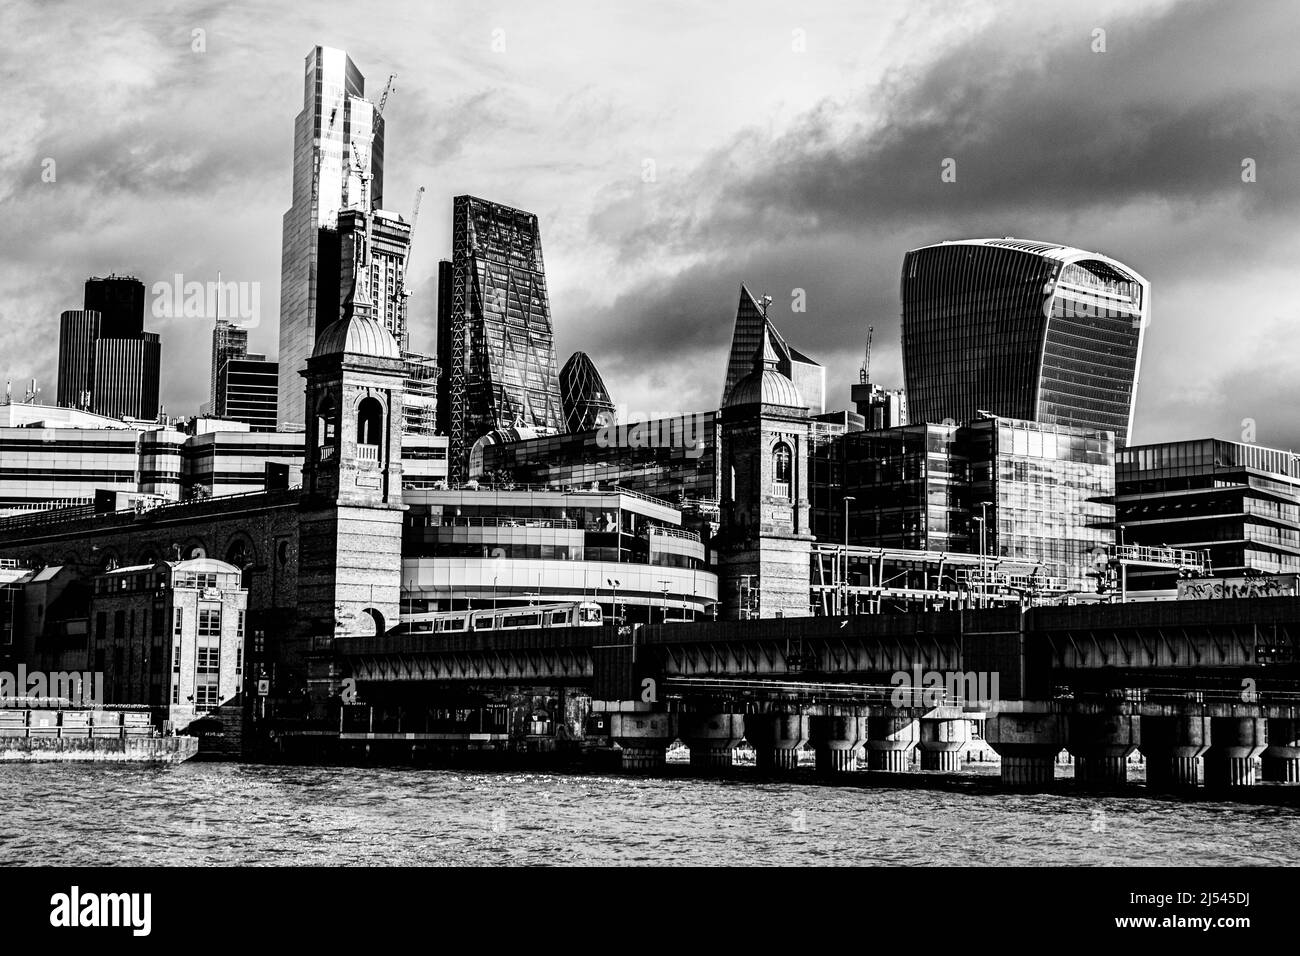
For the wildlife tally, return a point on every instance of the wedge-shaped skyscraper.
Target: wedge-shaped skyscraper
(1029, 330)
(496, 326)
(808, 375)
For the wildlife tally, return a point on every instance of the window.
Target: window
(209, 622)
(176, 692)
(239, 660)
(178, 621)
(176, 658)
(370, 429)
(782, 470)
(209, 660)
(239, 626)
(206, 696)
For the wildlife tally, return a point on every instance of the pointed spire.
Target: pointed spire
(765, 356)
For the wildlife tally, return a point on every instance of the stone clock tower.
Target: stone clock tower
(764, 543)
(350, 524)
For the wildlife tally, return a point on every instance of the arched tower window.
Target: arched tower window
(370, 429)
(327, 424)
(782, 471)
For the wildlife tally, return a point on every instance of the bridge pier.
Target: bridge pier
(776, 738)
(944, 732)
(1234, 744)
(836, 739)
(644, 737)
(1172, 744)
(1281, 758)
(1101, 740)
(891, 738)
(711, 738)
(1027, 735)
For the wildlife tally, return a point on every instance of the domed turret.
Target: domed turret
(765, 385)
(358, 334)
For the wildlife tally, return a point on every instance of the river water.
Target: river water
(208, 813)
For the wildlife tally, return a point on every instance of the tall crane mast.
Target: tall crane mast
(864, 376)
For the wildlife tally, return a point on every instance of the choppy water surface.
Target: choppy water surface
(203, 814)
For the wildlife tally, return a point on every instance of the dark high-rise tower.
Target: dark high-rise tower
(78, 332)
(108, 364)
(443, 346)
(500, 369)
(119, 300)
(126, 377)
(1029, 330)
(583, 395)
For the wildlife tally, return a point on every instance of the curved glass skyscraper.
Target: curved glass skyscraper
(1028, 330)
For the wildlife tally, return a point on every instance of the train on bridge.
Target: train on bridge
(572, 614)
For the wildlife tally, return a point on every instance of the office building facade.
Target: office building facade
(1027, 330)
(228, 341)
(1237, 502)
(247, 391)
(78, 333)
(500, 365)
(108, 364)
(1044, 493)
(329, 176)
(126, 377)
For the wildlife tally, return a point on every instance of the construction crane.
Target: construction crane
(864, 375)
(383, 99)
(401, 293)
(361, 276)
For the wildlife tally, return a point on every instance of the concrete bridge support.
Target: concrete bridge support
(891, 738)
(944, 732)
(776, 738)
(711, 738)
(1282, 756)
(1172, 744)
(644, 738)
(835, 740)
(1027, 735)
(1101, 739)
(1235, 743)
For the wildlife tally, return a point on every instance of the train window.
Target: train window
(591, 614)
(559, 617)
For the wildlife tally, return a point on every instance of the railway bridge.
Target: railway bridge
(1200, 688)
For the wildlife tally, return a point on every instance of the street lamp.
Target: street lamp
(613, 585)
(844, 607)
(664, 586)
(983, 523)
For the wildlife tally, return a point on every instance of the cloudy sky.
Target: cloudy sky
(791, 146)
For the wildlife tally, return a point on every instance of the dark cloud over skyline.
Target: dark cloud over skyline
(784, 169)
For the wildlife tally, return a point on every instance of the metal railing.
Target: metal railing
(473, 522)
(674, 533)
(368, 453)
(642, 496)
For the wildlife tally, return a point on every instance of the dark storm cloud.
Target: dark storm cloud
(1051, 140)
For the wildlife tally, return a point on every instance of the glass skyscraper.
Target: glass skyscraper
(583, 395)
(1028, 330)
(500, 367)
(335, 117)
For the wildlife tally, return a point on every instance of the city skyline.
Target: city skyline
(818, 178)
